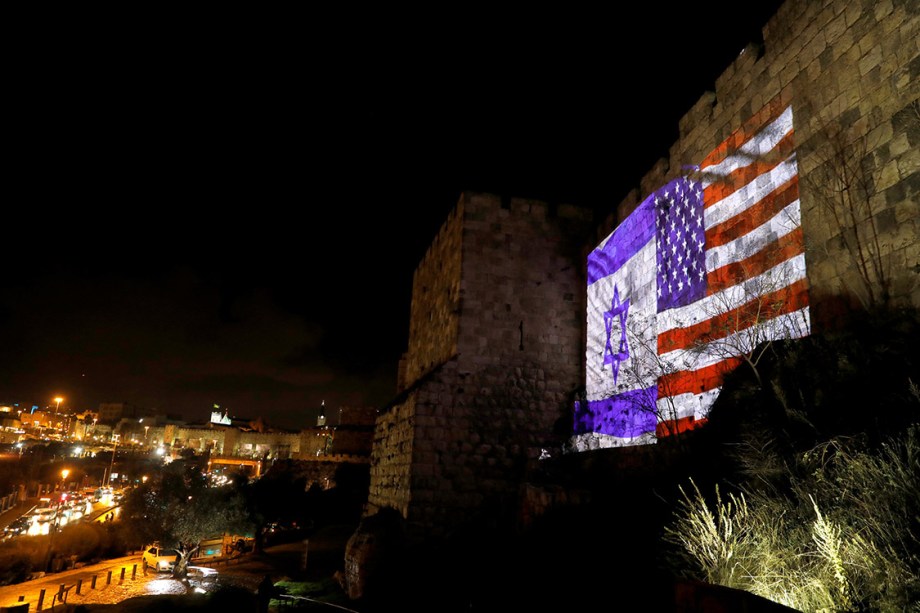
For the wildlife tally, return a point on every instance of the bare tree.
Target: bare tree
(758, 311)
(843, 183)
(642, 370)
(660, 369)
(736, 325)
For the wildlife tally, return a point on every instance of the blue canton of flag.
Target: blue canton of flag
(681, 244)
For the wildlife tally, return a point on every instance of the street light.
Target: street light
(112, 463)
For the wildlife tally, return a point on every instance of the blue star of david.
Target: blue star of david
(618, 310)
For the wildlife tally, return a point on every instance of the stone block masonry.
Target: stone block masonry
(433, 319)
(493, 362)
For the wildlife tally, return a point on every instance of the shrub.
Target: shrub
(844, 535)
(15, 567)
(87, 541)
(81, 540)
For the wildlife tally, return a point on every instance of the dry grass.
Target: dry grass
(844, 538)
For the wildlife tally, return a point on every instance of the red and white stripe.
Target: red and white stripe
(755, 268)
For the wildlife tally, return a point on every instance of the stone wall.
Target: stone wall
(357, 416)
(349, 431)
(522, 294)
(850, 71)
(353, 440)
(391, 458)
(339, 440)
(321, 471)
(435, 303)
(316, 441)
(229, 441)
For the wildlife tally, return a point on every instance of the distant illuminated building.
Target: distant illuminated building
(321, 420)
(111, 412)
(220, 418)
(10, 427)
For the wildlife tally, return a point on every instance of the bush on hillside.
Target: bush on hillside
(15, 567)
(844, 536)
(818, 506)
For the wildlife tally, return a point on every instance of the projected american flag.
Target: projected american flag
(707, 268)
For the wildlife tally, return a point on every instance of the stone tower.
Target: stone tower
(494, 358)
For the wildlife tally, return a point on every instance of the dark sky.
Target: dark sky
(230, 210)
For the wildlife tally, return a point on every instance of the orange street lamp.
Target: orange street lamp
(58, 400)
(64, 474)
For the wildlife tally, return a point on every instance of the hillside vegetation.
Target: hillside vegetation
(816, 501)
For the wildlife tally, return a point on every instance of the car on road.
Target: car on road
(159, 558)
(41, 520)
(18, 526)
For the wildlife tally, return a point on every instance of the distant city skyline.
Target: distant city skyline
(332, 417)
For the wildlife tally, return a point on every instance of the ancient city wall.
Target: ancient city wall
(357, 416)
(351, 440)
(315, 441)
(229, 441)
(321, 471)
(351, 434)
(850, 71)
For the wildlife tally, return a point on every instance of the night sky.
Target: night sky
(230, 211)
